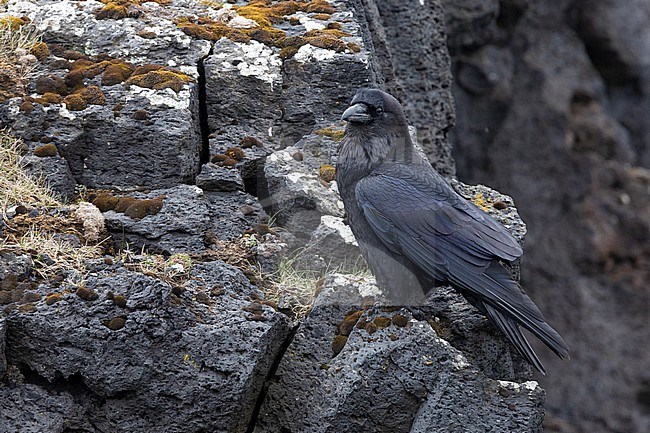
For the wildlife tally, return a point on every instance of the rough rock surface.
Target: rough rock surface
(3, 360)
(552, 104)
(297, 193)
(242, 127)
(418, 76)
(196, 356)
(187, 215)
(350, 357)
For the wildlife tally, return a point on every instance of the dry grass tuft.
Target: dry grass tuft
(16, 186)
(55, 257)
(16, 59)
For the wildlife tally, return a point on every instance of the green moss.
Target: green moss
(338, 344)
(112, 11)
(335, 134)
(142, 208)
(321, 17)
(5, 297)
(120, 301)
(116, 323)
(86, 294)
(320, 6)
(40, 50)
(159, 79)
(105, 202)
(13, 23)
(27, 107)
(27, 308)
(53, 298)
(31, 297)
(400, 320)
(74, 79)
(327, 172)
(93, 95)
(115, 73)
(140, 115)
(51, 84)
(46, 150)
(235, 153)
(219, 158)
(248, 142)
(75, 102)
(265, 13)
(123, 203)
(50, 98)
(382, 322)
(353, 47)
(347, 324)
(371, 328)
(288, 52)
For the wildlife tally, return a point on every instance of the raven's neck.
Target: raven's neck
(363, 149)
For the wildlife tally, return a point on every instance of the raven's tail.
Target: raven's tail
(508, 316)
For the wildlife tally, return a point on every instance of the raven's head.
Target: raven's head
(371, 105)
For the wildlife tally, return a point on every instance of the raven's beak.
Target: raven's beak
(357, 113)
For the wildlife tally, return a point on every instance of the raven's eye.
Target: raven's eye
(379, 111)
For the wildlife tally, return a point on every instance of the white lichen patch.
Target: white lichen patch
(337, 224)
(307, 22)
(307, 53)
(164, 97)
(252, 60)
(529, 386)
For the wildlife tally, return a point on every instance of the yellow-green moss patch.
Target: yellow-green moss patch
(159, 79)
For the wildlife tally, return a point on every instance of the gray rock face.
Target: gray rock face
(197, 358)
(419, 76)
(3, 360)
(243, 86)
(187, 215)
(54, 171)
(354, 367)
(191, 351)
(552, 108)
(297, 193)
(104, 145)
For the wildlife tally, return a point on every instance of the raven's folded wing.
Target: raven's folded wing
(417, 214)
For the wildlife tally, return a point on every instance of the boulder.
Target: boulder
(178, 219)
(195, 353)
(354, 365)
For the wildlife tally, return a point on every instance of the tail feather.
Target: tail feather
(528, 317)
(512, 331)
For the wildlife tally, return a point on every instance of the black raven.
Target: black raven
(415, 231)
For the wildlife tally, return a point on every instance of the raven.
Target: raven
(416, 232)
